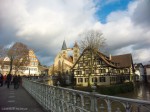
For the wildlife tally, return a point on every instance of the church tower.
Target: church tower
(76, 52)
(64, 50)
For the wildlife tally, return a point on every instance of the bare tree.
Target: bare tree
(93, 41)
(3, 51)
(20, 63)
(18, 55)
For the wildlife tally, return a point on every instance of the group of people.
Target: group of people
(9, 79)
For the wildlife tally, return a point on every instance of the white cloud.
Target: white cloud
(43, 25)
(125, 36)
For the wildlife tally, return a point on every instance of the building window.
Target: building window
(118, 71)
(80, 80)
(102, 62)
(86, 63)
(113, 78)
(125, 70)
(79, 72)
(87, 71)
(98, 62)
(34, 63)
(102, 71)
(80, 64)
(102, 79)
(86, 79)
(35, 69)
(6, 67)
(94, 79)
(93, 71)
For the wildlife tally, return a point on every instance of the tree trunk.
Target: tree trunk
(11, 64)
(16, 70)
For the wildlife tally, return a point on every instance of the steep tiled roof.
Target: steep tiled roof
(124, 60)
(147, 66)
(119, 61)
(106, 60)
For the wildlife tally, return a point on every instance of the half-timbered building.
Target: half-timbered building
(94, 67)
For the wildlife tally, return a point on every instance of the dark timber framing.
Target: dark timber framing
(93, 67)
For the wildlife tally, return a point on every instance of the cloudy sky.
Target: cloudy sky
(44, 24)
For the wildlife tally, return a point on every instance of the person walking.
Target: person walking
(4, 79)
(12, 78)
(9, 77)
(1, 80)
(15, 82)
(19, 80)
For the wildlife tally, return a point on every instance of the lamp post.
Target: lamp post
(29, 71)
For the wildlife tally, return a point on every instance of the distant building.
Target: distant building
(95, 67)
(30, 69)
(64, 61)
(147, 72)
(43, 70)
(139, 71)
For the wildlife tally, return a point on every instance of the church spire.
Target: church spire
(76, 45)
(64, 47)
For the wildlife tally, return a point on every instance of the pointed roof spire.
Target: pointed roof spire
(75, 44)
(64, 47)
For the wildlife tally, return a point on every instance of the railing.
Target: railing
(58, 99)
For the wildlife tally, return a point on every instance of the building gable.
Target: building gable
(98, 55)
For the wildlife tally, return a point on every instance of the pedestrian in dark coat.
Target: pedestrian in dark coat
(15, 81)
(5, 79)
(19, 80)
(9, 77)
(1, 80)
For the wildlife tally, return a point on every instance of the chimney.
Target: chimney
(110, 57)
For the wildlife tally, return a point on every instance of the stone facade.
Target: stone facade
(63, 61)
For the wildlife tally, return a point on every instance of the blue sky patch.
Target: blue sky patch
(108, 6)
